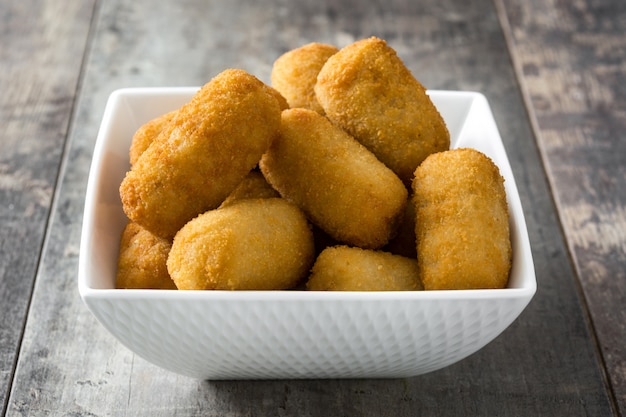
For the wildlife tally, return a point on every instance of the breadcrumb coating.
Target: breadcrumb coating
(343, 268)
(462, 222)
(146, 134)
(252, 244)
(142, 260)
(206, 150)
(367, 90)
(294, 74)
(341, 186)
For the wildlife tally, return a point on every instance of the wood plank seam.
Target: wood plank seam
(532, 119)
(54, 200)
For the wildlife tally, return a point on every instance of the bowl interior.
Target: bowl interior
(467, 115)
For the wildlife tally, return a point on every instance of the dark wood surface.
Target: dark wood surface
(571, 60)
(554, 75)
(40, 65)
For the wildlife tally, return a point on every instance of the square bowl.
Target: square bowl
(291, 334)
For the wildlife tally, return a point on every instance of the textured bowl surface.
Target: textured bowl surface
(290, 334)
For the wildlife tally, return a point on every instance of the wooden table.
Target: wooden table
(554, 73)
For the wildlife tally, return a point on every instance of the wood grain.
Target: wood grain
(572, 63)
(544, 364)
(40, 58)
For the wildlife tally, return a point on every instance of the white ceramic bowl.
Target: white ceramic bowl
(290, 334)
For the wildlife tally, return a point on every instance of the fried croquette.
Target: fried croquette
(294, 74)
(252, 244)
(367, 90)
(343, 268)
(146, 134)
(462, 222)
(202, 154)
(341, 186)
(142, 260)
(254, 185)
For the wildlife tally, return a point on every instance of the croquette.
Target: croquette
(341, 186)
(142, 260)
(205, 151)
(146, 134)
(462, 222)
(367, 90)
(343, 268)
(294, 74)
(252, 244)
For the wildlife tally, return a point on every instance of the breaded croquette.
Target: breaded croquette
(367, 90)
(294, 74)
(146, 134)
(142, 260)
(343, 268)
(253, 186)
(252, 244)
(462, 222)
(335, 180)
(202, 154)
